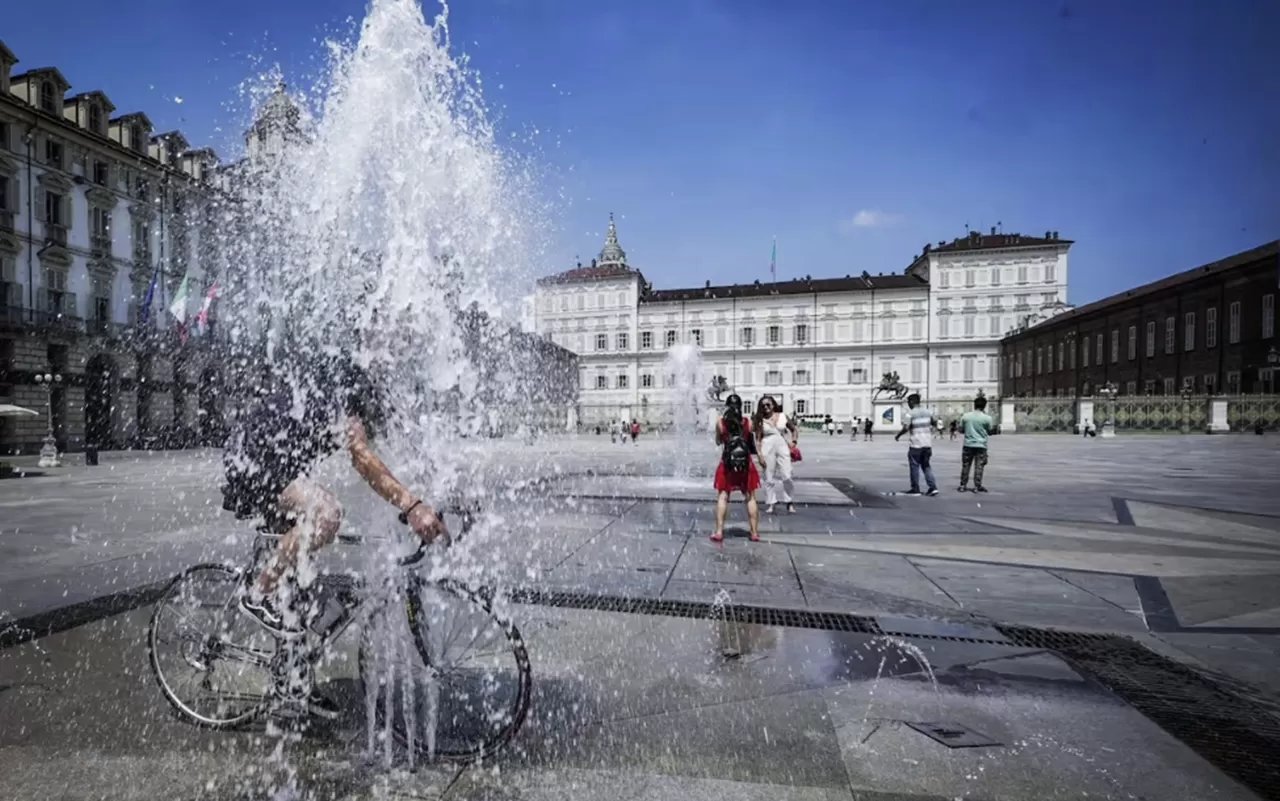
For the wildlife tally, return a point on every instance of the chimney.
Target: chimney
(1055, 234)
(993, 230)
(1048, 234)
(708, 284)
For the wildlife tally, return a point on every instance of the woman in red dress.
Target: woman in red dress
(736, 471)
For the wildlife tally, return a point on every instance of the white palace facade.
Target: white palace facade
(821, 345)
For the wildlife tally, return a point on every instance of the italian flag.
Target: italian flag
(179, 306)
(202, 316)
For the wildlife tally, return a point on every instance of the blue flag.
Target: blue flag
(145, 311)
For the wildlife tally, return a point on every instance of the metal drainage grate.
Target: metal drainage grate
(1029, 637)
(702, 610)
(33, 627)
(1239, 736)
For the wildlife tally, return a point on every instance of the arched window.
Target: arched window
(135, 138)
(95, 118)
(47, 97)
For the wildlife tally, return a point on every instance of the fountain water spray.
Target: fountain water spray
(687, 395)
(387, 224)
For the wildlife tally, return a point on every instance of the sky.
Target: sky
(855, 131)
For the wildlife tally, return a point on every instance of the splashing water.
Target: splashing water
(914, 651)
(683, 366)
(385, 224)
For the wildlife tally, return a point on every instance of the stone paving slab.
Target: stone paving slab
(625, 703)
(680, 489)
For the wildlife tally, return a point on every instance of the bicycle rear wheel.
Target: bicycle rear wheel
(213, 664)
(468, 690)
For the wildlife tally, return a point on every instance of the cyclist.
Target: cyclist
(329, 406)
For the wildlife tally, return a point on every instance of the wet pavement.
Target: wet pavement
(1080, 535)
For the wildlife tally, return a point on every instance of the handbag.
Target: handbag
(795, 454)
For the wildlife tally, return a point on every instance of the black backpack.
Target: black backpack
(737, 453)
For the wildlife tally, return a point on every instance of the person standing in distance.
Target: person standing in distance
(919, 425)
(977, 425)
(736, 471)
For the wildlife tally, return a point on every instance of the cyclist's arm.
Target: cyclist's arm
(373, 470)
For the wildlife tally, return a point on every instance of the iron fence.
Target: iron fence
(1166, 413)
(1045, 414)
(1254, 413)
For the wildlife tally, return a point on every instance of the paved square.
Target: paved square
(1174, 541)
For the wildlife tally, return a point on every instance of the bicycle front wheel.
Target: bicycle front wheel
(211, 662)
(467, 692)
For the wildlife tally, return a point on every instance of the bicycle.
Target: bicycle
(217, 655)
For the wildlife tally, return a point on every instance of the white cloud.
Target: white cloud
(872, 218)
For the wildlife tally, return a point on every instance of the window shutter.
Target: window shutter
(67, 218)
(40, 205)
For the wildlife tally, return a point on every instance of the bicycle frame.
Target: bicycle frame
(302, 652)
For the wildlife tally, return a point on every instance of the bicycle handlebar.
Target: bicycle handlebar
(466, 513)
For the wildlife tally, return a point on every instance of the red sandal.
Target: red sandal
(717, 537)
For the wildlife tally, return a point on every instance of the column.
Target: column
(1218, 416)
(1008, 423)
(1084, 411)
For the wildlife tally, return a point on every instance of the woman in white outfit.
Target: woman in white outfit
(776, 433)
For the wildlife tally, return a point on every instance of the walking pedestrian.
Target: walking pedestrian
(866, 429)
(777, 435)
(977, 429)
(635, 431)
(953, 429)
(736, 471)
(919, 425)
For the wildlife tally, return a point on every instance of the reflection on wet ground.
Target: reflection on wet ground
(714, 706)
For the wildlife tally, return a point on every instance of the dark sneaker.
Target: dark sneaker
(980, 489)
(962, 488)
(267, 616)
(912, 492)
(323, 706)
(931, 493)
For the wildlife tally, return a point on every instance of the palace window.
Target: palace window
(1170, 325)
(1189, 332)
(670, 338)
(1151, 338)
(646, 340)
(1233, 323)
(1268, 316)
(800, 377)
(695, 336)
(602, 342)
(774, 334)
(622, 380)
(624, 342)
(748, 336)
(802, 334)
(646, 380)
(602, 382)
(1211, 327)
(1133, 342)
(1115, 345)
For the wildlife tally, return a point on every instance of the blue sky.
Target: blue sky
(1149, 132)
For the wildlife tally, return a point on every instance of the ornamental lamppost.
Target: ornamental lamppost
(49, 448)
(1187, 393)
(1109, 391)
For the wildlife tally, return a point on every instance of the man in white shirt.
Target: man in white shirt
(918, 425)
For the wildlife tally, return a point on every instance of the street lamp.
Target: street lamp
(1109, 392)
(1187, 393)
(49, 448)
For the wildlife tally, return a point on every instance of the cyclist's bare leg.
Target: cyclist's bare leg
(319, 516)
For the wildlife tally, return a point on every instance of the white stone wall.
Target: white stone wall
(975, 298)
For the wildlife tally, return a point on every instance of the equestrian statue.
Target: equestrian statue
(892, 386)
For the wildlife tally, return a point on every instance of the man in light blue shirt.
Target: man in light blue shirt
(977, 426)
(918, 425)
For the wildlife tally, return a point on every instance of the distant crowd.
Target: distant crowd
(768, 442)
